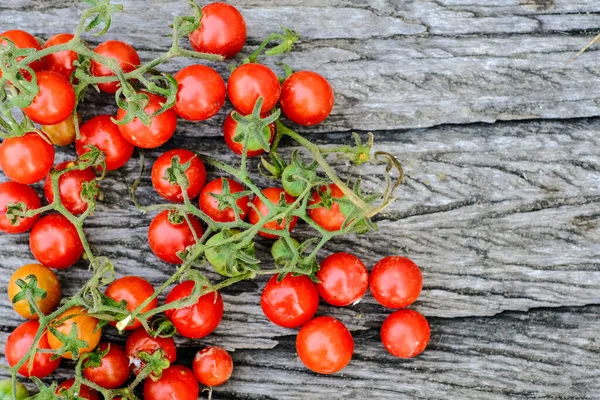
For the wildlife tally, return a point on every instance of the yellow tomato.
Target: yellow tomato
(86, 330)
(62, 134)
(46, 280)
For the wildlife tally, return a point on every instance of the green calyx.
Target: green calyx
(232, 258)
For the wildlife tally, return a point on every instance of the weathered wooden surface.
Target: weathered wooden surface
(503, 219)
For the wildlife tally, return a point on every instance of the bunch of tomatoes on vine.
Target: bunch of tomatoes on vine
(204, 223)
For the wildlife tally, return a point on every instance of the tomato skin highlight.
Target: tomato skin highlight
(254, 147)
(86, 330)
(167, 239)
(177, 382)
(102, 133)
(85, 392)
(23, 40)
(212, 366)
(290, 303)
(140, 341)
(331, 219)
(46, 280)
(60, 62)
(405, 333)
(306, 98)
(395, 282)
(134, 290)
(198, 320)
(18, 344)
(125, 55)
(26, 159)
(113, 370)
(161, 128)
(210, 204)
(250, 81)
(12, 193)
(222, 30)
(196, 175)
(55, 243)
(55, 101)
(201, 92)
(274, 195)
(325, 345)
(344, 279)
(70, 185)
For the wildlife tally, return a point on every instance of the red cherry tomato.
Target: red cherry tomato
(222, 31)
(18, 344)
(250, 81)
(196, 175)
(170, 234)
(395, 282)
(210, 204)
(290, 303)
(26, 159)
(212, 366)
(306, 98)
(13, 193)
(23, 40)
(332, 218)
(405, 333)
(70, 186)
(161, 128)
(134, 290)
(325, 345)
(55, 243)
(102, 133)
(125, 55)
(344, 279)
(198, 320)
(254, 147)
(113, 370)
(141, 341)
(176, 382)
(274, 195)
(201, 92)
(60, 62)
(54, 102)
(85, 392)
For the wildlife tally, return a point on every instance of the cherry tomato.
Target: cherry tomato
(343, 279)
(26, 159)
(230, 128)
(70, 186)
(60, 62)
(161, 128)
(209, 204)
(250, 81)
(46, 280)
(405, 333)
(212, 366)
(222, 31)
(395, 282)
(325, 345)
(102, 133)
(141, 341)
(113, 370)
(18, 344)
(291, 302)
(125, 55)
(14, 193)
(87, 330)
(170, 234)
(329, 218)
(134, 290)
(306, 98)
(54, 242)
(274, 195)
(85, 392)
(63, 133)
(176, 382)
(198, 320)
(23, 40)
(196, 175)
(201, 92)
(55, 101)
(6, 390)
